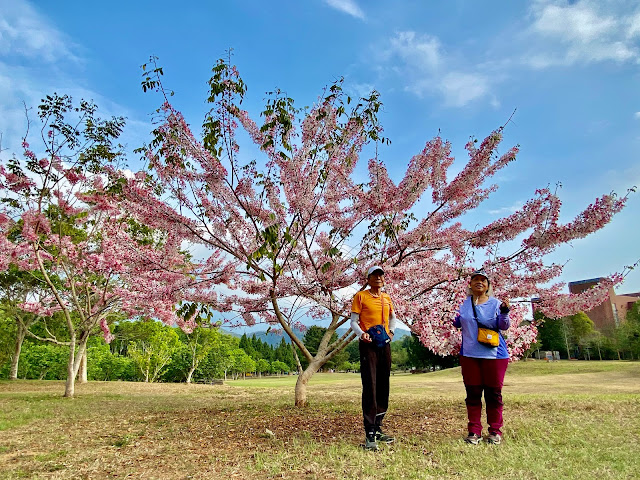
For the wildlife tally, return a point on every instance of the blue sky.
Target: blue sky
(570, 69)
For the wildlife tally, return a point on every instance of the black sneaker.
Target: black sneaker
(370, 442)
(473, 439)
(494, 439)
(384, 438)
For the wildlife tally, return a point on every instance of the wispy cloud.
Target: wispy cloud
(508, 210)
(349, 7)
(32, 53)
(37, 59)
(555, 33)
(583, 32)
(23, 32)
(426, 69)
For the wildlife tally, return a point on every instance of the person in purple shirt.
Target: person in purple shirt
(483, 366)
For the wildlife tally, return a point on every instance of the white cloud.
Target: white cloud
(360, 89)
(508, 210)
(637, 115)
(557, 33)
(32, 56)
(425, 69)
(421, 52)
(36, 60)
(460, 89)
(24, 32)
(349, 7)
(585, 31)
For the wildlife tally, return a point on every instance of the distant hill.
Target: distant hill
(274, 339)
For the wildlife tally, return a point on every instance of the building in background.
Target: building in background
(612, 311)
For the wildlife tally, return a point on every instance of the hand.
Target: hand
(365, 337)
(504, 307)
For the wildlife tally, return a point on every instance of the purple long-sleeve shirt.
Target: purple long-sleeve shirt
(489, 316)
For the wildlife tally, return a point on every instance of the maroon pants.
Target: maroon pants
(484, 375)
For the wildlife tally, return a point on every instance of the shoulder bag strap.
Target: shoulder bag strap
(475, 315)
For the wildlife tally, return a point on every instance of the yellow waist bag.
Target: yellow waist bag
(486, 336)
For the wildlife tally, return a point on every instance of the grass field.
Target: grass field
(563, 420)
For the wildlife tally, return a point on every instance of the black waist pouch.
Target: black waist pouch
(379, 335)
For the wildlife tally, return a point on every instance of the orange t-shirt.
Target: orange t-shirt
(370, 309)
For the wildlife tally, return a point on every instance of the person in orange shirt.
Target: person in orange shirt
(373, 321)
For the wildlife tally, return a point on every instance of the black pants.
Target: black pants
(375, 368)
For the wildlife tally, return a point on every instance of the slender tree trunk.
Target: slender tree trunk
(15, 360)
(82, 371)
(566, 339)
(295, 356)
(190, 374)
(73, 366)
(70, 385)
(303, 380)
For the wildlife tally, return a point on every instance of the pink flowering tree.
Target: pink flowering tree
(295, 230)
(60, 223)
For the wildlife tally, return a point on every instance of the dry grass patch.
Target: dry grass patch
(559, 425)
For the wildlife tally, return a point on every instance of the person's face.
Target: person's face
(479, 285)
(376, 279)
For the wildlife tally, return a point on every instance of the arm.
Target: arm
(355, 327)
(355, 324)
(456, 321)
(392, 322)
(504, 322)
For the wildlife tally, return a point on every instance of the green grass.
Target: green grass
(563, 420)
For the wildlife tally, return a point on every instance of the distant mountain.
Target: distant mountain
(274, 339)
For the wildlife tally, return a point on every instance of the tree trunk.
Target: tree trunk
(295, 356)
(82, 371)
(190, 374)
(73, 365)
(303, 380)
(70, 384)
(15, 360)
(566, 340)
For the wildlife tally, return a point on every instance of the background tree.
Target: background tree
(399, 356)
(262, 366)
(152, 356)
(16, 287)
(313, 339)
(59, 220)
(294, 232)
(220, 360)
(581, 327)
(279, 367)
(7, 343)
(551, 333)
(104, 365)
(629, 332)
(43, 361)
(242, 363)
(198, 344)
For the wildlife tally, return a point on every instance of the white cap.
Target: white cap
(375, 268)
